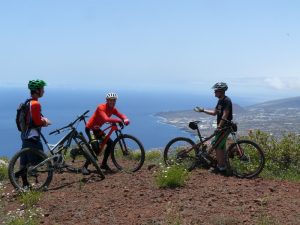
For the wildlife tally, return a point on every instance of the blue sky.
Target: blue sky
(254, 45)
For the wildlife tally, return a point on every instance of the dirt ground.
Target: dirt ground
(135, 199)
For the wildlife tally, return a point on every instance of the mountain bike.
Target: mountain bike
(244, 158)
(39, 169)
(128, 153)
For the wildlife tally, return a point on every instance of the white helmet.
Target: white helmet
(112, 95)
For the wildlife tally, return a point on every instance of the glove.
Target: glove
(198, 109)
(126, 121)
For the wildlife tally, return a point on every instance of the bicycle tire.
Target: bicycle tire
(132, 158)
(86, 151)
(34, 154)
(175, 147)
(240, 166)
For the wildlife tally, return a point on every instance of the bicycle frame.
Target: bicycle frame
(225, 132)
(68, 137)
(56, 148)
(113, 128)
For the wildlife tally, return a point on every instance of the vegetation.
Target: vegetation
(24, 217)
(30, 198)
(282, 155)
(29, 214)
(153, 156)
(171, 176)
(3, 169)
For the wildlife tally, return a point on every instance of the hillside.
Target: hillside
(276, 117)
(135, 199)
(278, 104)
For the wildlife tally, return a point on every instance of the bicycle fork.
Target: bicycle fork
(240, 151)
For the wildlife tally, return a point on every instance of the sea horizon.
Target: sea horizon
(62, 107)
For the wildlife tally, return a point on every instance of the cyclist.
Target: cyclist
(103, 115)
(223, 110)
(34, 121)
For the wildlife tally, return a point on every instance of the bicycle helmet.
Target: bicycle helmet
(36, 84)
(112, 95)
(220, 86)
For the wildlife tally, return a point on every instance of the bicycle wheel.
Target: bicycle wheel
(180, 151)
(245, 159)
(30, 169)
(86, 152)
(128, 153)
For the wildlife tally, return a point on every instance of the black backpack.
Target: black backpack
(21, 118)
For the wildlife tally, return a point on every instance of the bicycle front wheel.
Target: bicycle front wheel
(245, 159)
(128, 153)
(30, 169)
(181, 151)
(87, 153)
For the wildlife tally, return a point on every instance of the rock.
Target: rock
(151, 166)
(272, 189)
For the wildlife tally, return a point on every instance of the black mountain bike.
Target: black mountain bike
(39, 169)
(244, 158)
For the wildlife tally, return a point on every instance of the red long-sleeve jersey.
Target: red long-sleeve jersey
(35, 113)
(102, 115)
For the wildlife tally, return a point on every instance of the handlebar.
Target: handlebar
(79, 118)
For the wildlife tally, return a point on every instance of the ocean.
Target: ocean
(62, 106)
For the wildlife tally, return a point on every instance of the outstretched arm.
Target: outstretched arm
(107, 119)
(121, 116)
(206, 111)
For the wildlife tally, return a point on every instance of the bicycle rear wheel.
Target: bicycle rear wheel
(128, 153)
(181, 151)
(245, 159)
(30, 169)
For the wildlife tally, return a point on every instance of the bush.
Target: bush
(282, 154)
(153, 155)
(30, 198)
(171, 176)
(3, 169)
(24, 217)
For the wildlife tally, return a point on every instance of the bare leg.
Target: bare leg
(220, 158)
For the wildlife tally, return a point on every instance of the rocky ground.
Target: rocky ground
(135, 199)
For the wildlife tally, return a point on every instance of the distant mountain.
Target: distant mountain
(278, 104)
(237, 109)
(275, 117)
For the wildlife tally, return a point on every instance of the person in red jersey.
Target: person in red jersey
(103, 115)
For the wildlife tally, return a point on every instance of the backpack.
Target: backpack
(21, 117)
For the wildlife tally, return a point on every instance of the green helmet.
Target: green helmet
(36, 84)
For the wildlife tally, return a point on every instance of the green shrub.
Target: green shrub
(3, 169)
(153, 155)
(24, 217)
(30, 198)
(282, 155)
(171, 176)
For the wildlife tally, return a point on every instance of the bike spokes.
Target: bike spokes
(245, 159)
(30, 170)
(180, 151)
(128, 154)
